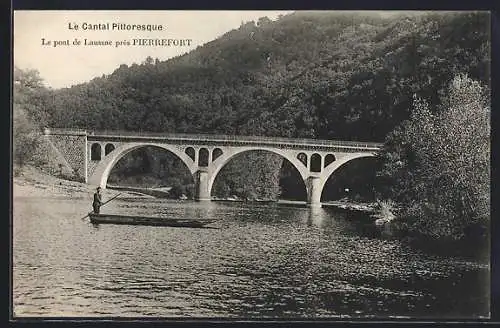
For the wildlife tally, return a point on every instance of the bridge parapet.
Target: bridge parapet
(64, 132)
(141, 135)
(213, 139)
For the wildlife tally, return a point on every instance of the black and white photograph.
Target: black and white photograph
(251, 165)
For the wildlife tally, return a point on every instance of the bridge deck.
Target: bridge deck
(142, 135)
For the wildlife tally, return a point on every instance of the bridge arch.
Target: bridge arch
(302, 157)
(329, 158)
(315, 163)
(108, 149)
(230, 154)
(191, 153)
(95, 152)
(101, 173)
(328, 171)
(203, 157)
(216, 153)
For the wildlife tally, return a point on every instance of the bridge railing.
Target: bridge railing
(221, 138)
(60, 131)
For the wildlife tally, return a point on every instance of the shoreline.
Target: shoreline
(32, 182)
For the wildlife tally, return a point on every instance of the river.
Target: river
(261, 261)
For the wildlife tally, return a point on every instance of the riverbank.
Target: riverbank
(344, 204)
(35, 183)
(32, 182)
(153, 192)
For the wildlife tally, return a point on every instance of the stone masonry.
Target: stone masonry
(72, 146)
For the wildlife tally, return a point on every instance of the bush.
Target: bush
(437, 164)
(385, 210)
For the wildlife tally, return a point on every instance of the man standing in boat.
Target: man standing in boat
(97, 200)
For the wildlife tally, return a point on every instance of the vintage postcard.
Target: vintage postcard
(251, 165)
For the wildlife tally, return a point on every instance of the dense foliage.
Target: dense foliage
(259, 181)
(317, 75)
(28, 95)
(437, 163)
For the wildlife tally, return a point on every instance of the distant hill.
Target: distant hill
(308, 74)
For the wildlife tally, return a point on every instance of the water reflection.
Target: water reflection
(315, 216)
(263, 261)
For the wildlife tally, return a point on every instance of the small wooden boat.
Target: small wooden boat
(148, 221)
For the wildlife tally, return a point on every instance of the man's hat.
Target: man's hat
(98, 188)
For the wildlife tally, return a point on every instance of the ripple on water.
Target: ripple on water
(265, 261)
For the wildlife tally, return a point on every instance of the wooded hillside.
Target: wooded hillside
(317, 75)
(327, 75)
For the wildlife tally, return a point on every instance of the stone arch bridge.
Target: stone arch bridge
(92, 154)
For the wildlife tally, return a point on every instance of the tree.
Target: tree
(148, 61)
(27, 79)
(28, 86)
(437, 163)
(24, 135)
(222, 189)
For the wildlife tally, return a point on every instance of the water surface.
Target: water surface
(263, 261)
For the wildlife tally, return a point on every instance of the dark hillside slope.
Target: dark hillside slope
(308, 74)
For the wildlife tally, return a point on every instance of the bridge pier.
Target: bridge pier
(201, 185)
(313, 184)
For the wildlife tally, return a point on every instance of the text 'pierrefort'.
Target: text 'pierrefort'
(115, 27)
